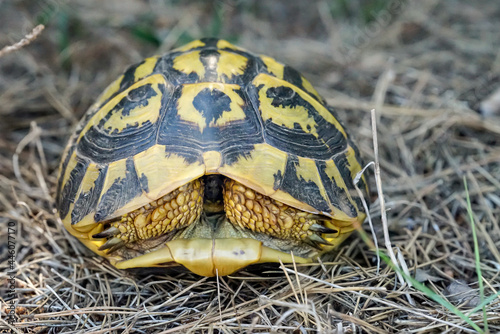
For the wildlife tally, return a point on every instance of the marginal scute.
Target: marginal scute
(164, 172)
(120, 189)
(257, 169)
(301, 180)
(71, 185)
(91, 175)
(89, 192)
(212, 161)
(337, 188)
(352, 158)
(66, 184)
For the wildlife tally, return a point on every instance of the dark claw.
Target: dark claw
(110, 232)
(319, 240)
(112, 245)
(312, 244)
(322, 229)
(116, 247)
(316, 241)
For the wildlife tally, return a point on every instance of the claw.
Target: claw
(112, 244)
(312, 243)
(110, 232)
(316, 241)
(319, 240)
(322, 229)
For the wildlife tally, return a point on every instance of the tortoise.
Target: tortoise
(212, 158)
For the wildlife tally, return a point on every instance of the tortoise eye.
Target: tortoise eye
(251, 210)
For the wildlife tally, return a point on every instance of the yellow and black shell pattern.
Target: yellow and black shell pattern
(206, 109)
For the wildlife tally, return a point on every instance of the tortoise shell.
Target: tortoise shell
(240, 149)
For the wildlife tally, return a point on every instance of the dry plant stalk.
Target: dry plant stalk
(23, 42)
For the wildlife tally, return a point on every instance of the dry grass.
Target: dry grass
(424, 68)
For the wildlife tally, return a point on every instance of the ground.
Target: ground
(425, 67)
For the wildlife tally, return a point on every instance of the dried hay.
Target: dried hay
(425, 69)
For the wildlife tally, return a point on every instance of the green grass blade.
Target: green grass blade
(476, 254)
(431, 294)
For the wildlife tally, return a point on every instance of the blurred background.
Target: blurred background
(430, 68)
